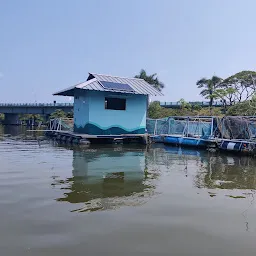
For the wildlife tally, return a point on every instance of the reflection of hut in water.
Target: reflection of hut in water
(227, 172)
(106, 179)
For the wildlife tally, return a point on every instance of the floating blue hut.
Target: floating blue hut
(110, 105)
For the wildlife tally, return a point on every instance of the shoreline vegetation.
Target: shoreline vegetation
(27, 119)
(237, 94)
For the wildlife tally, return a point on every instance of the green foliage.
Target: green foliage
(245, 108)
(1, 117)
(39, 118)
(209, 87)
(235, 92)
(184, 105)
(241, 86)
(70, 115)
(155, 111)
(197, 107)
(215, 111)
(151, 79)
(238, 109)
(244, 77)
(58, 113)
(36, 117)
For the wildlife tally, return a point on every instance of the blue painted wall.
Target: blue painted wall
(91, 117)
(81, 109)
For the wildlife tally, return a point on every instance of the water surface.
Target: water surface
(122, 200)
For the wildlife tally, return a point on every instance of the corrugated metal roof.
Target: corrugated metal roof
(139, 86)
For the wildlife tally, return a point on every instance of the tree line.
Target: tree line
(236, 93)
(236, 89)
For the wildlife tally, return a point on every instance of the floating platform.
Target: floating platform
(245, 147)
(178, 140)
(77, 138)
(188, 141)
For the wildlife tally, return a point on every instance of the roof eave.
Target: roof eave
(65, 93)
(157, 93)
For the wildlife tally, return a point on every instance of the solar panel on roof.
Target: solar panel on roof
(116, 86)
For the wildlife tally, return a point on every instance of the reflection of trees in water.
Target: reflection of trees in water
(227, 172)
(170, 158)
(114, 176)
(107, 178)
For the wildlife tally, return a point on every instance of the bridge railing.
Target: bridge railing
(36, 104)
(193, 103)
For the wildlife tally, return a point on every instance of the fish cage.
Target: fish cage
(183, 126)
(235, 128)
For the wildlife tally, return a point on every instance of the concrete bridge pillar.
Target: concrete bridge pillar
(11, 119)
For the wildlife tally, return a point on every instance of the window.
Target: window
(115, 103)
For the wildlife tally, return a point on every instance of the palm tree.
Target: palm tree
(151, 79)
(209, 88)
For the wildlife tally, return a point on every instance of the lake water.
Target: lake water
(123, 200)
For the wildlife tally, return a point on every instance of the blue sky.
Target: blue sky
(49, 45)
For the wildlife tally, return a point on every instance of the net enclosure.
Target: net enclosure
(228, 127)
(184, 126)
(234, 127)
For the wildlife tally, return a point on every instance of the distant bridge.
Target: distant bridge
(13, 110)
(178, 104)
